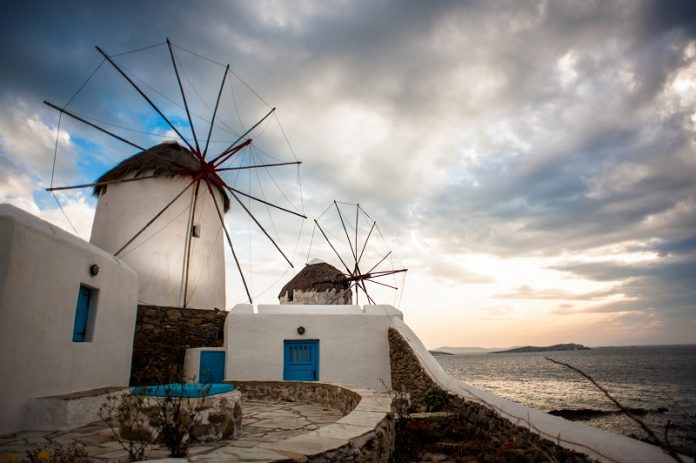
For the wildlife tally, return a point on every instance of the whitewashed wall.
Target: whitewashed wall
(353, 343)
(41, 269)
(192, 362)
(158, 254)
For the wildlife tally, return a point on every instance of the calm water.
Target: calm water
(647, 377)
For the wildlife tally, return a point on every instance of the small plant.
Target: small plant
(138, 421)
(58, 453)
(174, 416)
(436, 399)
(401, 402)
(127, 417)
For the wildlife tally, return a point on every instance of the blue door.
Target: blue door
(212, 367)
(81, 314)
(301, 361)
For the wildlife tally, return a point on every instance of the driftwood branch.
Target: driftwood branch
(663, 445)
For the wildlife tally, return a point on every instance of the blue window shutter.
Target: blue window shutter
(81, 314)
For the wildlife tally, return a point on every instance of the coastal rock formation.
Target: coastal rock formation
(555, 347)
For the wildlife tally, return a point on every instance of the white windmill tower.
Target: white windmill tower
(162, 210)
(180, 259)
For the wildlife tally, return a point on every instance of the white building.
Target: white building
(343, 344)
(169, 273)
(67, 315)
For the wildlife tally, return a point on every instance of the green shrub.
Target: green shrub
(436, 400)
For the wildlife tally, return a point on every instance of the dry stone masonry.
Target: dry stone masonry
(466, 431)
(162, 335)
(328, 395)
(407, 374)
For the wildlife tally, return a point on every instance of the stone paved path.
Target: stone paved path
(262, 423)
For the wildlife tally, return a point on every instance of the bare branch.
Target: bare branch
(663, 445)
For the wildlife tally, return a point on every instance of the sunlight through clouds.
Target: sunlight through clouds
(531, 163)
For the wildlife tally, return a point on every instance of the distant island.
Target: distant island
(555, 347)
(465, 350)
(437, 352)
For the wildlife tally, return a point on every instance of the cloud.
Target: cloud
(527, 292)
(27, 146)
(448, 270)
(660, 290)
(560, 130)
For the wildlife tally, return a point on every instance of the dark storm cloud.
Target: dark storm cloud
(508, 128)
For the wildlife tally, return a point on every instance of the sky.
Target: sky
(532, 163)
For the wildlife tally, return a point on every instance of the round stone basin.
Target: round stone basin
(217, 407)
(189, 390)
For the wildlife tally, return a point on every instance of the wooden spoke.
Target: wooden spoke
(151, 221)
(229, 240)
(239, 201)
(357, 279)
(263, 201)
(91, 124)
(380, 283)
(332, 247)
(107, 182)
(130, 81)
(183, 97)
(381, 260)
(217, 103)
(257, 166)
(226, 151)
(357, 212)
(370, 300)
(189, 236)
(232, 152)
(387, 272)
(350, 244)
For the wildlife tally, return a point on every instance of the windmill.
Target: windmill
(156, 209)
(353, 245)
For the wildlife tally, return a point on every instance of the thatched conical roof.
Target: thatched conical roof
(168, 159)
(317, 277)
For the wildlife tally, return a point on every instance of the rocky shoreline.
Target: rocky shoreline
(589, 413)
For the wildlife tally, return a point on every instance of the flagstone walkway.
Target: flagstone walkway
(263, 422)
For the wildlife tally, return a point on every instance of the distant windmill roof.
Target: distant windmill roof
(316, 277)
(168, 159)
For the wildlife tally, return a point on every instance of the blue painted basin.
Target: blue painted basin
(183, 390)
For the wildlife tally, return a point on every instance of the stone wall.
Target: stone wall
(375, 446)
(407, 374)
(328, 395)
(162, 335)
(480, 429)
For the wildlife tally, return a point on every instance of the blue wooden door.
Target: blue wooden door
(81, 314)
(212, 369)
(301, 361)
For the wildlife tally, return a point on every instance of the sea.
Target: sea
(658, 381)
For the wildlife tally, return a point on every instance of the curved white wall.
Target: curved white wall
(158, 254)
(41, 270)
